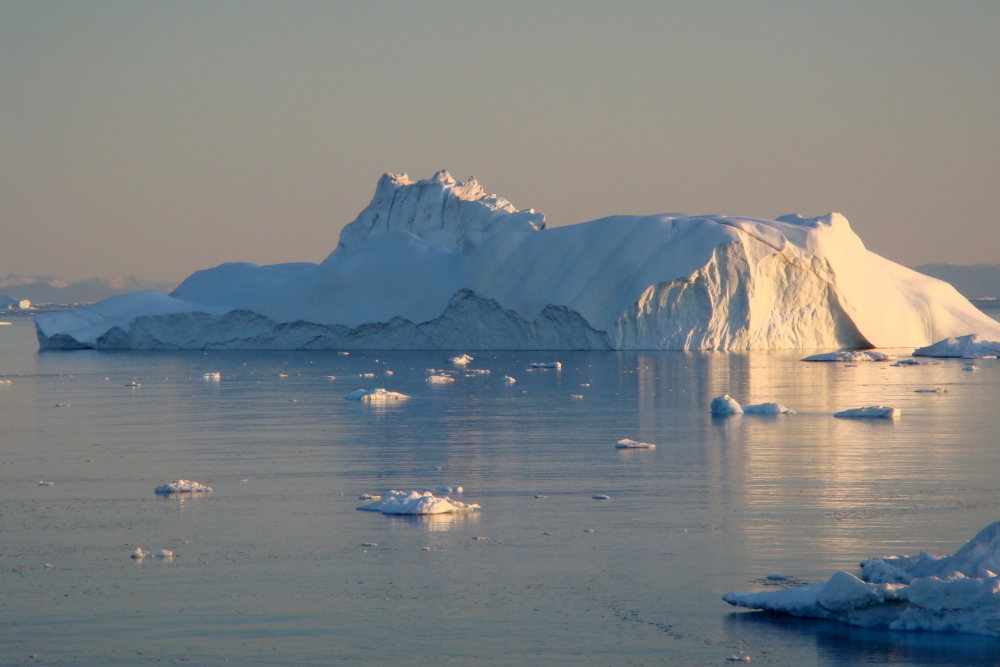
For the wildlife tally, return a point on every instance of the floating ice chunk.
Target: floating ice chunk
(388, 373)
(547, 364)
(973, 346)
(625, 443)
(477, 371)
(446, 489)
(935, 390)
(369, 544)
(508, 379)
(379, 395)
(440, 379)
(870, 412)
(738, 658)
(576, 396)
(212, 377)
(44, 483)
(182, 486)
(5, 382)
(915, 362)
(972, 368)
(849, 355)
(724, 405)
(62, 405)
(366, 375)
(165, 554)
(133, 384)
(957, 594)
(460, 360)
(369, 496)
(601, 496)
(540, 496)
(417, 502)
(343, 354)
(767, 409)
(331, 377)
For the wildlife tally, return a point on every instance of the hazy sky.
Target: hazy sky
(157, 138)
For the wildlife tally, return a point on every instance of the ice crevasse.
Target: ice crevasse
(439, 264)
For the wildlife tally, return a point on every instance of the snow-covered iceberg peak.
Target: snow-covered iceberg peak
(438, 209)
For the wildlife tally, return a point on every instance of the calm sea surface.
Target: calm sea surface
(271, 567)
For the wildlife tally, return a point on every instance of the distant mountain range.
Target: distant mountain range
(52, 290)
(972, 282)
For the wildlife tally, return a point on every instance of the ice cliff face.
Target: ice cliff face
(437, 264)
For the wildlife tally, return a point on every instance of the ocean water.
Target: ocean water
(272, 567)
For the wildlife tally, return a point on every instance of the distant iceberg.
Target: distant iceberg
(727, 405)
(418, 502)
(958, 593)
(438, 264)
(380, 395)
(870, 412)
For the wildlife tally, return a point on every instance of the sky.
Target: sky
(157, 138)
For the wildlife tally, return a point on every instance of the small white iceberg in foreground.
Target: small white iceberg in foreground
(417, 502)
(957, 594)
(508, 379)
(379, 395)
(849, 355)
(211, 377)
(973, 346)
(870, 412)
(726, 405)
(547, 364)
(439, 379)
(625, 443)
(460, 360)
(183, 486)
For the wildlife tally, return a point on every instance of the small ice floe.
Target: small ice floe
(480, 537)
(476, 371)
(539, 496)
(601, 496)
(388, 373)
(726, 405)
(379, 395)
(440, 379)
(935, 390)
(165, 554)
(5, 381)
(446, 489)
(625, 443)
(369, 496)
(6, 324)
(547, 364)
(972, 368)
(62, 405)
(739, 658)
(915, 362)
(212, 377)
(44, 483)
(133, 384)
(849, 355)
(282, 375)
(369, 544)
(585, 384)
(955, 594)
(973, 346)
(870, 412)
(460, 360)
(182, 486)
(331, 377)
(366, 375)
(417, 502)
(343, 354)
(508, 379)
(576, 396)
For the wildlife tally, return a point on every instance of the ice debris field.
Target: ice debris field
(958, 593)
(439, 264)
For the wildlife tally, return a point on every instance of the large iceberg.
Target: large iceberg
(958, 593)
(438, 264)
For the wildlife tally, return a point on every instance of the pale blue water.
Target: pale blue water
(272, 571)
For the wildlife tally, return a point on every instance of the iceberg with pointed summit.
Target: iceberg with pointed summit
(438, 264)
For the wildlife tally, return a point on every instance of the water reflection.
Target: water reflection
(434, 523)
(837, 644)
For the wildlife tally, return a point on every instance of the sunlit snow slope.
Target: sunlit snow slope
(437, 264)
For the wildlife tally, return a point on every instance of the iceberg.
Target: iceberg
(849, 355)
(727, 405)
(627, 443)
(380, 395)
(973, 346)
(436, 264)
(182, 486)
(958, 593)
(417, 502)
(870, 412)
